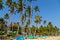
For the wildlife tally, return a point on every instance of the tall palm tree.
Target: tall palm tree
(29, 10)
(38, 20)
(33, 28)
(18, 28)
(1, 4)
(51, 28)
(2, 22)
(27, 28)
(41, 30)
(6, 16)
(23, 19)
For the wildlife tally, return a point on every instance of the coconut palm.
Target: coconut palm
(29, 10)
(36, 8)
(56, 30)
(41, 30)
(1, 4)
(23, 19)
(6, 16)
(33, 28)
(27, 28)
(44, 22)
(28, 23)
(20, 6)
(12, 8)
(2, 22)
(9, 2)
(37, 20)
(51, 28)
(18, 28)
(11, 26)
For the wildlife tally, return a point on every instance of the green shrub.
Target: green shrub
(2, 33)
(11, 34)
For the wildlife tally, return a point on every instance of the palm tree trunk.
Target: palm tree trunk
(29, 26)
(22, 29)
(35, 30)
(7, 27)
(11, 26)
(18, 30)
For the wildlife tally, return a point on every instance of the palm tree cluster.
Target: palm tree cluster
(26, 12)
(48, 29)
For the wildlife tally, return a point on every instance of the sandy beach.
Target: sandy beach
(49, 38)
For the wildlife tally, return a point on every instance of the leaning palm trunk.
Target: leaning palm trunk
(35, 30)
(11, 26)
(7, 27)
(22, 30)
(17, 31)
(29, 30)
(29, 27)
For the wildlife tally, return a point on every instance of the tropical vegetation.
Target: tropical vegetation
(25, 12)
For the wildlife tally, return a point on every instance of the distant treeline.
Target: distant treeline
(49, 29)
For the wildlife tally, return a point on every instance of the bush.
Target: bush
(2, 33)
(11, 34)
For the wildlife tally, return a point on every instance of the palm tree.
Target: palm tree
(11, 26)
(9, 2)
(27, 28)
(51, 28)
(29, 10)
(20, 6)
(23, 19)
(38, 20)
(41, 29)
(2, 22)
(1, 4)
(44, 22)
(33, 28)
(18, 28)
(6, 16)
(56, 30)
(36, 8)
(12, 10)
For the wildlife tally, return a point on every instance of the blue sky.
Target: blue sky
(49, 10)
